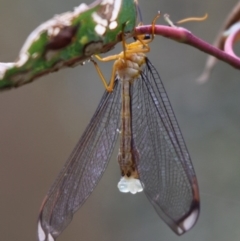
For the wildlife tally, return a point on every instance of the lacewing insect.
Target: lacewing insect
(152, 156)
(70, 38)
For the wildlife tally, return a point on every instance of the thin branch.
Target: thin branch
(184, 36)
(219, 42)
(233, 36)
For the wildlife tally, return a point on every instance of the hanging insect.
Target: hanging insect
(152, 156)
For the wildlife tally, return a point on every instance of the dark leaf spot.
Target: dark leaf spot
(63, 38)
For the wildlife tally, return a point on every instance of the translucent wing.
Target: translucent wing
(83, 169)
(163, 161)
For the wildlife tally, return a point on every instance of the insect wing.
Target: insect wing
(83, 169)
(163, 161)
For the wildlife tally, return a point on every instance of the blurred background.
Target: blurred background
(41, 123)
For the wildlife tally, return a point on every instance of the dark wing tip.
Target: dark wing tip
(191, 217)
(43, 233)
(189, 220)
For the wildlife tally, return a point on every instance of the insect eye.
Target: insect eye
(147, 36)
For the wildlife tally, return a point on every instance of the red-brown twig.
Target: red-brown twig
(184, 36)
(231, 39)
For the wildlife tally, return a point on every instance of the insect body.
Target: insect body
(69, 39)
(153, 156)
